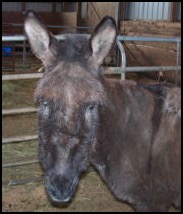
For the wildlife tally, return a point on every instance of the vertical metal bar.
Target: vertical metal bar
(138, 11)
(13, 56)
(123, 59)
(24, 54)
(157, 11)
(177, 62)
(179, 9)
(147, 9)
(117, 61)
(152, 10)
(171, 12)
(128, 12)
(133, 11)
(162, 10)
(117, 13)
(143, 11)
(13, 48)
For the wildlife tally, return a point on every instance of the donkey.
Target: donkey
(130, 132)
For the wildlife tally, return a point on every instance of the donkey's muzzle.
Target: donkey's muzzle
(60, 189)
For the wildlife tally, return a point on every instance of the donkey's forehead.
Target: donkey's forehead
(73, 38)
(72, 84)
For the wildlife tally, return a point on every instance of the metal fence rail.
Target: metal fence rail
(122, 69)
(110, 70)
(23, 181)
(119, 38)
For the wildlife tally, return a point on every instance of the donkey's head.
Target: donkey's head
(70, 95)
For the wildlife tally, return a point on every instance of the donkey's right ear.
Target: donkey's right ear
(39, 38)
(103, 39)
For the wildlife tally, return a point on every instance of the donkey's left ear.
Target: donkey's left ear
(103, 39)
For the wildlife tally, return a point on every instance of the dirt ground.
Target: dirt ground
(92, 194)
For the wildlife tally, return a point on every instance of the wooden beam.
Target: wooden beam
(173, 11)
(121, 11)
(78, 13)
(53, 7)
(19, 139)
(23, 7)
(7, 165)
(21, 76)
(6, 112)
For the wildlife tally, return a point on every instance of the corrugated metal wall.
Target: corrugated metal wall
(83, 9)
(59, 7)
(11, 6)
(147, 10)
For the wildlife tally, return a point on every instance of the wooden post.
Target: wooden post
(173, 11)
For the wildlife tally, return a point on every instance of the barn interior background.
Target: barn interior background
(150, 38)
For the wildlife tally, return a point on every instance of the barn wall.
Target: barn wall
(97, 10)
(52, 13)
(61, 19)
(152, 53)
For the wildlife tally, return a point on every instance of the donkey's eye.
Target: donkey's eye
(45, 108)
(45, 104)
(90, 113)
(91, 108)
